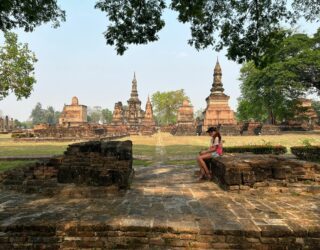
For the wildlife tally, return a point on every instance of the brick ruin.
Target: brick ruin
(243, 171)
(218, 111)
(73, 115)
(185, 121)
(132, 118)
(93, 163)
(7, 124)
(86, 131)
(166, 208)
(97, 163)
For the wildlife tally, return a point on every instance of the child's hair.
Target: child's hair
(217, 134)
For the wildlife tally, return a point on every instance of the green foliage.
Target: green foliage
(166, 105)
(106, 115)
(99, 115)
(307, 142)
(28, 14)
(266, 94)
(94, 114)
(7, 165)
(199, 114)
(309, 153)
(247, 28)
(256, 149)
(316, 106)
(286, 72)
(132, 22)
(16, 68)
(41, 115)
(24, 124)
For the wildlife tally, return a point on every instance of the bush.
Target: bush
(257, 149)
(309, 153)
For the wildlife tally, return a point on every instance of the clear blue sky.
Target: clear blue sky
(75, 61)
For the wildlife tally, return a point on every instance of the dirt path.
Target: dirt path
(160, 151)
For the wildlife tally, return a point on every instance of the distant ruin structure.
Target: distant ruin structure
(73, 115)
(185, 120)
(309, 115)
(218, 111)
(148, 124)
(7, 124)
(132, 118)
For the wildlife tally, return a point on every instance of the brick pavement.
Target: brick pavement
(165, 208)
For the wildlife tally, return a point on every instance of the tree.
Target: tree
(316, 106)
(95, 114)
(286, 73)
(106, 115)
(298, 54)
(41, 115)
(23, 125)
(247, 28)
(28, 14)
(38, 114)
(271, 93)
(199, 114)
(166, 105)
(16, 68)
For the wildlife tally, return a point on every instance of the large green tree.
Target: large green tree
(98, 115)
(286, 73)
(166, 105)
(247, 28)
(16, 68)
(269, 94)
(28, 14)
(106, 115)
(41, 115)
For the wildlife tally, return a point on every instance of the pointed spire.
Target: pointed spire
(217, 68)
(217, 86)
(134, 88)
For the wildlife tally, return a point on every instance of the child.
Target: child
(215, 150)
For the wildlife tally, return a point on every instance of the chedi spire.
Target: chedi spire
(134, 88)
(217, 86)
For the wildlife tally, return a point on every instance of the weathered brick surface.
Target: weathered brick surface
(92, 163)
(165, 208)
(97, 163)
(235, 172)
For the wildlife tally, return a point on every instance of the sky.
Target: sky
(74, 60)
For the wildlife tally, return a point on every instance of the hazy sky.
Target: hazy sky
(74, 60)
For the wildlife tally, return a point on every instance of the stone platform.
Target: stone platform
(166, 208)
(241, 171)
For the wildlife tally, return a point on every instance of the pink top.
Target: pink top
(218, 145)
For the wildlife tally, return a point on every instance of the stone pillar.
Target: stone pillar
(6, 124)
(1, 124)
(13, 124)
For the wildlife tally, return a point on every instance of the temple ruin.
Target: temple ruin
(185, 120)
(73, 115)
(131, 117)
(218, 111)
(7, 124)
(308, 114)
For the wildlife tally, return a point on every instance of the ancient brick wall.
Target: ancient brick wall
(97, 163)
(93, 163)
(72, 132)
(33, 178)
(234, 172)
(104, 236)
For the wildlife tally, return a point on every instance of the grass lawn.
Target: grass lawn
(144, 147)
(6, 165)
